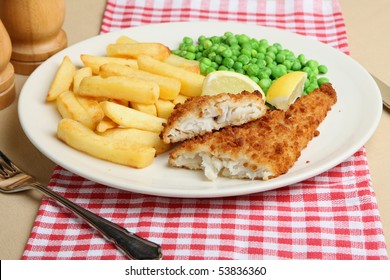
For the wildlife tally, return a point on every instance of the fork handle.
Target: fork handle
(132, 245)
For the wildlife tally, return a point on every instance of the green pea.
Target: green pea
(246, 51)
(223, 68)
(218, 59)
(253, 69)
(310, 88)
(322, 69)
(242, 39)
(228, 34)
(189, 56)
(237, 65)
(203, 67)
(227, 53)
(265, 83)
(313, 81)
(262, 49)
(209, 70)
(271, 55)
(246, 45)
(220, 49)
(322, 80)
(261, 62)
(254, 78)
(308, 70)
(272, 49)
(264, 42)
(207, 44)
(296, 66)
(236, 52)
(176, 52)
(205, 61)
(228, 62)
(214, 65)
(313, 64)
(188, 41)
(278, 46)
(302, 59)
(198, 56)
(206, 52)
(279, 71)
(280, 58)
(240, 70)
(260, 55)
(263, 75)
(192, 48)
(215, 39)
(214, 47)
(201, 39)
(253, 53)
(288, 64)
(307, 83)
(243, 59)
(212, 56)
(268, 60)
(267, 70)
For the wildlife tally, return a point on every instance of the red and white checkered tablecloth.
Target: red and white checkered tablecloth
(331, 216)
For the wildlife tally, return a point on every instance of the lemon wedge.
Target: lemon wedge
(286, 89)
(228, 82)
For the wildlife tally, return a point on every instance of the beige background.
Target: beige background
(367, 27)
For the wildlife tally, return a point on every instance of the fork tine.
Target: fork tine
(7, 167)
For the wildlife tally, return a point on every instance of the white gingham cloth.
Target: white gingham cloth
(328, 216)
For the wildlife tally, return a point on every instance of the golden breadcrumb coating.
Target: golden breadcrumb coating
(265, 148)
(202, 114)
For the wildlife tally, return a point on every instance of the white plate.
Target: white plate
(348, 126)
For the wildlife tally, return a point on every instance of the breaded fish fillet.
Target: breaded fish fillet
(202, 114)
(261, 149)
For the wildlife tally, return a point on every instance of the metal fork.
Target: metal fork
(13, 179)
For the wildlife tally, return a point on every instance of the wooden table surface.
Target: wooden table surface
(367, 28)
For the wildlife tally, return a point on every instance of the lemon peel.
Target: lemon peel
(285, 90)
(228, 82)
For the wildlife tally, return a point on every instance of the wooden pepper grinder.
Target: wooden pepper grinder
(7, 75)
(34, 27)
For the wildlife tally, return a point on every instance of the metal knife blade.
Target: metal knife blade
(385, 91)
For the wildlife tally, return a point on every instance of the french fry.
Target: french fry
(69, 107)
(119, 101)
(122, 152)
(191, 83)
(125, 40)
(169, 87)
(141, 137)
(149, 109)
(189, 65)
(164, 108)
(120, 87)
(134, 50)
(93, 108)
(62, 80)
(114, 107)
(79, 75)
(95, 62)
(129, 117)
(105, 124)
(180, 99)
